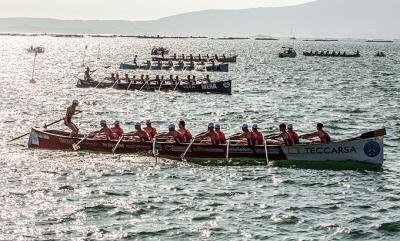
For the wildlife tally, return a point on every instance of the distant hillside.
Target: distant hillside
(322, 18)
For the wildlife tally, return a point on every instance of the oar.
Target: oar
(45, 126)
(116, 81)
(228, 143)
(154, 149)
(144, 84)
(159, 88)
(266, 150)
(19, 137)
(115, 147)
(176, 85)
(129, 86)
(187, 149)
(76, 146)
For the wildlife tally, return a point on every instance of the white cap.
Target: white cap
(171, 126)
(116, 122)
(148, 122)
(210, 125)
(245, 126)
(217, 126)
(255, 126)
(75, 102)
(290, 126)
(103, 122)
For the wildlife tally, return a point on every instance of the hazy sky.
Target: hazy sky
(124, 9)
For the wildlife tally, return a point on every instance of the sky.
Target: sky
(124, 9)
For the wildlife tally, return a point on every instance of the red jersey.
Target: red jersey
(110, 135)
(221, 136)
(144, 136)
(118, 131)
(180, 137)
(258, 137)
(325, 137)
(294, 137)
(187, 134)
(152, 132)
(287, 139)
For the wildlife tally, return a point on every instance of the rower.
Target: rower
(286, 138)
(246, 135)
(112, 78)
(258, 136)
(140, 133)
(211, 134)
(135, 60)
(71, 111)
(208, 79)
(194, 80)
(117, 79)
(151, 131)
(174, 56)
(171, 79)
(189, 81)
(221, 135)
(142, 78)
(323, 135)
(293, 134)
(87, 76)
(176, 81)
(158, 79)
(127, 78)
(178, 136)
(184, 131)
(117, 129)
(109, 134)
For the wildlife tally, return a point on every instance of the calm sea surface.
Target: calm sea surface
(67, 195)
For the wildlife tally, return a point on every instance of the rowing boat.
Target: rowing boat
(218, 87)
(333, 54)
(231, 59)
(366, 149)
(223, 67)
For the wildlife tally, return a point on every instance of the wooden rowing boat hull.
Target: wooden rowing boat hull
(367, 150)
(220, 87)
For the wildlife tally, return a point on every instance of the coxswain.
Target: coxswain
(71, 111)
(135, 60)
(109, 134)
(210, 134)
(88, 72)
(208, 79)
(139, 132)
(286, 138)
(117, 129)
(151, 131)
(182, 129)
(293, 134)
(178, 136)
(323, 135)
(258, 136)
(246, 135)
(221, 135)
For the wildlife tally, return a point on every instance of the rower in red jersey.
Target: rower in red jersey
(105, 130)
(151, 131)
(117, 129)
(182, 129)
(71, 111)
(139, 133)
(211, 135)
(245, 136)
(258, 136)
(293, 134)
(323, 135)
(221, 135)
(176, 135)
(286, 138)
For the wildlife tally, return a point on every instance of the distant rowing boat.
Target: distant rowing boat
(207, 58)
(365, 149)
(223, 67)
(218, 87)
(331, 54)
